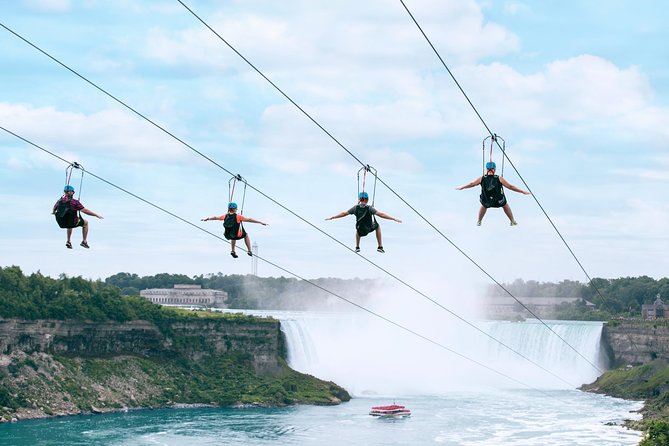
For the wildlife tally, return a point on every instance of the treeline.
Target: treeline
(612, 297)
(40, 297)
(251, 292)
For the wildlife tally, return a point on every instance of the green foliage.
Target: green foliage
(6, 399)
(224, 380)
(579, 312)
(645, 381)
(40, 297)
(624, 296)
(621, 297)
(246, 291)
(532, 288)
(657, 434)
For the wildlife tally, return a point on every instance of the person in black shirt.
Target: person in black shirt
(492, 193)
(365, 221)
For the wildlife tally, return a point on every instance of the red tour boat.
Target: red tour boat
(390, 411)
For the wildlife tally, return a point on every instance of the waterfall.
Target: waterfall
(367, 355)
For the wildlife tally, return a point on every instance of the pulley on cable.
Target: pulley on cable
(233, 222)
(494, 138)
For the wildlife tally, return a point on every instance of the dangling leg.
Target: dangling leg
(84, 232)
(357, 242)
(378, 238)
(68, 244)
(232, 247)
(482, 212)
(247, 240)
(507, 211)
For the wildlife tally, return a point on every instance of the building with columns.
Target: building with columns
(186, 296)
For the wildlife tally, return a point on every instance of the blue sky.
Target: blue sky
(577, 89)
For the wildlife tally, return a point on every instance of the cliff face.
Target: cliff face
(192, 339)
(636, 342)
(54, 367)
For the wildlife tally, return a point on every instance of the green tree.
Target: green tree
(657, 434)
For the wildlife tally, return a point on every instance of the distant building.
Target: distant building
(654, 310)
(507, 308)
(186, 296)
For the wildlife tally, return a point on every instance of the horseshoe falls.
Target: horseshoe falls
(367, 355)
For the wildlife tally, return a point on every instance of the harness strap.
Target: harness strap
(68, 176)
(367, 168)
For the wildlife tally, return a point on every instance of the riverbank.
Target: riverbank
(638, 349)
(57, 368)
(39, 385)
(648, 382)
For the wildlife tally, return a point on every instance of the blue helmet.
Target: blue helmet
(490, 165)
(68, 188)
(363, 196)
(232, 205)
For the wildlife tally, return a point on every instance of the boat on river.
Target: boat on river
(394, 410)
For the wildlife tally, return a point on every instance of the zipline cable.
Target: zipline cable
(311, 224)
(383, 182)
(361, 307)
(504, 153)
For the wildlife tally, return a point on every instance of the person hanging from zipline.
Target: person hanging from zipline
(365, 221)
(68, 215)
(232, 221)
(492, 192)
(234, 228)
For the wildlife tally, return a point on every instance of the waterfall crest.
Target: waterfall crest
(367, 355)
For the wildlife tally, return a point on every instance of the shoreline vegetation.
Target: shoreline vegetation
(648, 382)
(73, 346)
(39, 385)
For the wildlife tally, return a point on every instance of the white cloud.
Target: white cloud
(48, 5)
(111, 133)
(588, 86)
(586, 93)
(343, 34)
(515, 8)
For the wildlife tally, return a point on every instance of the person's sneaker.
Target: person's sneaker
(380, 249)
(234, 254)
(478, 223)
(85, 245)
(68, 245)
(249, 253)
(514, 223)
(357, 249)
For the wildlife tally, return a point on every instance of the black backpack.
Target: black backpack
(66, 217)
(233, 230)
(492, 192)
(365, 222)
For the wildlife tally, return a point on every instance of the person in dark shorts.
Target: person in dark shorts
(234, 229)
(68, 215)
(365, 221)
(492, 193)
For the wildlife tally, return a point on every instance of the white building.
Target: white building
(186, 296)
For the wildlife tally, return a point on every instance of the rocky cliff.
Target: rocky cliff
(56, 367)
(636, 342)
(193, 339)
